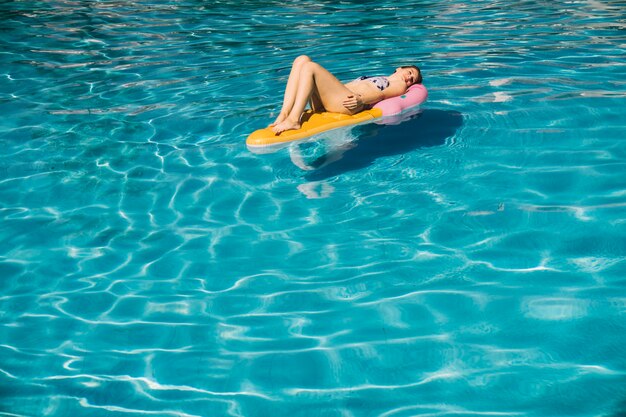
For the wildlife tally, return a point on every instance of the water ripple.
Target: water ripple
(467, 261)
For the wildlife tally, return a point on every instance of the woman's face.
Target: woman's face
(408, 75)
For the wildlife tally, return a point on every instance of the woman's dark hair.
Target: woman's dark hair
(419, 73)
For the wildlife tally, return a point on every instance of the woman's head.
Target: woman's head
(410, 74)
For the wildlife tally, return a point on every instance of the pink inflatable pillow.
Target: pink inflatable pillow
(415, 95)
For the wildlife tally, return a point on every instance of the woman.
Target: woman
(309, 81)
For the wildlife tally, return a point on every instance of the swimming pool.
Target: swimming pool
(468, 261)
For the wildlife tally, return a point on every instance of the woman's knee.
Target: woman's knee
(310, 66)
(301, 60)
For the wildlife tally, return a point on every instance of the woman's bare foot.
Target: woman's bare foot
(286, 124)
(279, 119)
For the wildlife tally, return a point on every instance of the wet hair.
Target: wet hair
(419, 73)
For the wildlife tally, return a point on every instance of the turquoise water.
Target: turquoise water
(469, 261)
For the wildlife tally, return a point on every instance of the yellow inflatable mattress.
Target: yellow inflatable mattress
(312, 124)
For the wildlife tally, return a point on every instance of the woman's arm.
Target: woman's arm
(394, 90)
(367, 92)
(372, 97)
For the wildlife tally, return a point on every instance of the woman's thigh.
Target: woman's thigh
(316, 102)
(331, 91)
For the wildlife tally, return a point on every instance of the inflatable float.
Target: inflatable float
(314, 123)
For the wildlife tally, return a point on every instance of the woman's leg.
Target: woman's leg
(291, 89)
(316, 102)
(315, 78)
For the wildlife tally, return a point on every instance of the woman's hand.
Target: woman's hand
(353, 101)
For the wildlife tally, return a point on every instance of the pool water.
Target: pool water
(470, 260)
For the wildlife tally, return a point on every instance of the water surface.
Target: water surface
(468, 261)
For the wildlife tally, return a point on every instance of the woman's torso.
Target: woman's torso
(368, 86)
(372, 87)
(378, 81)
